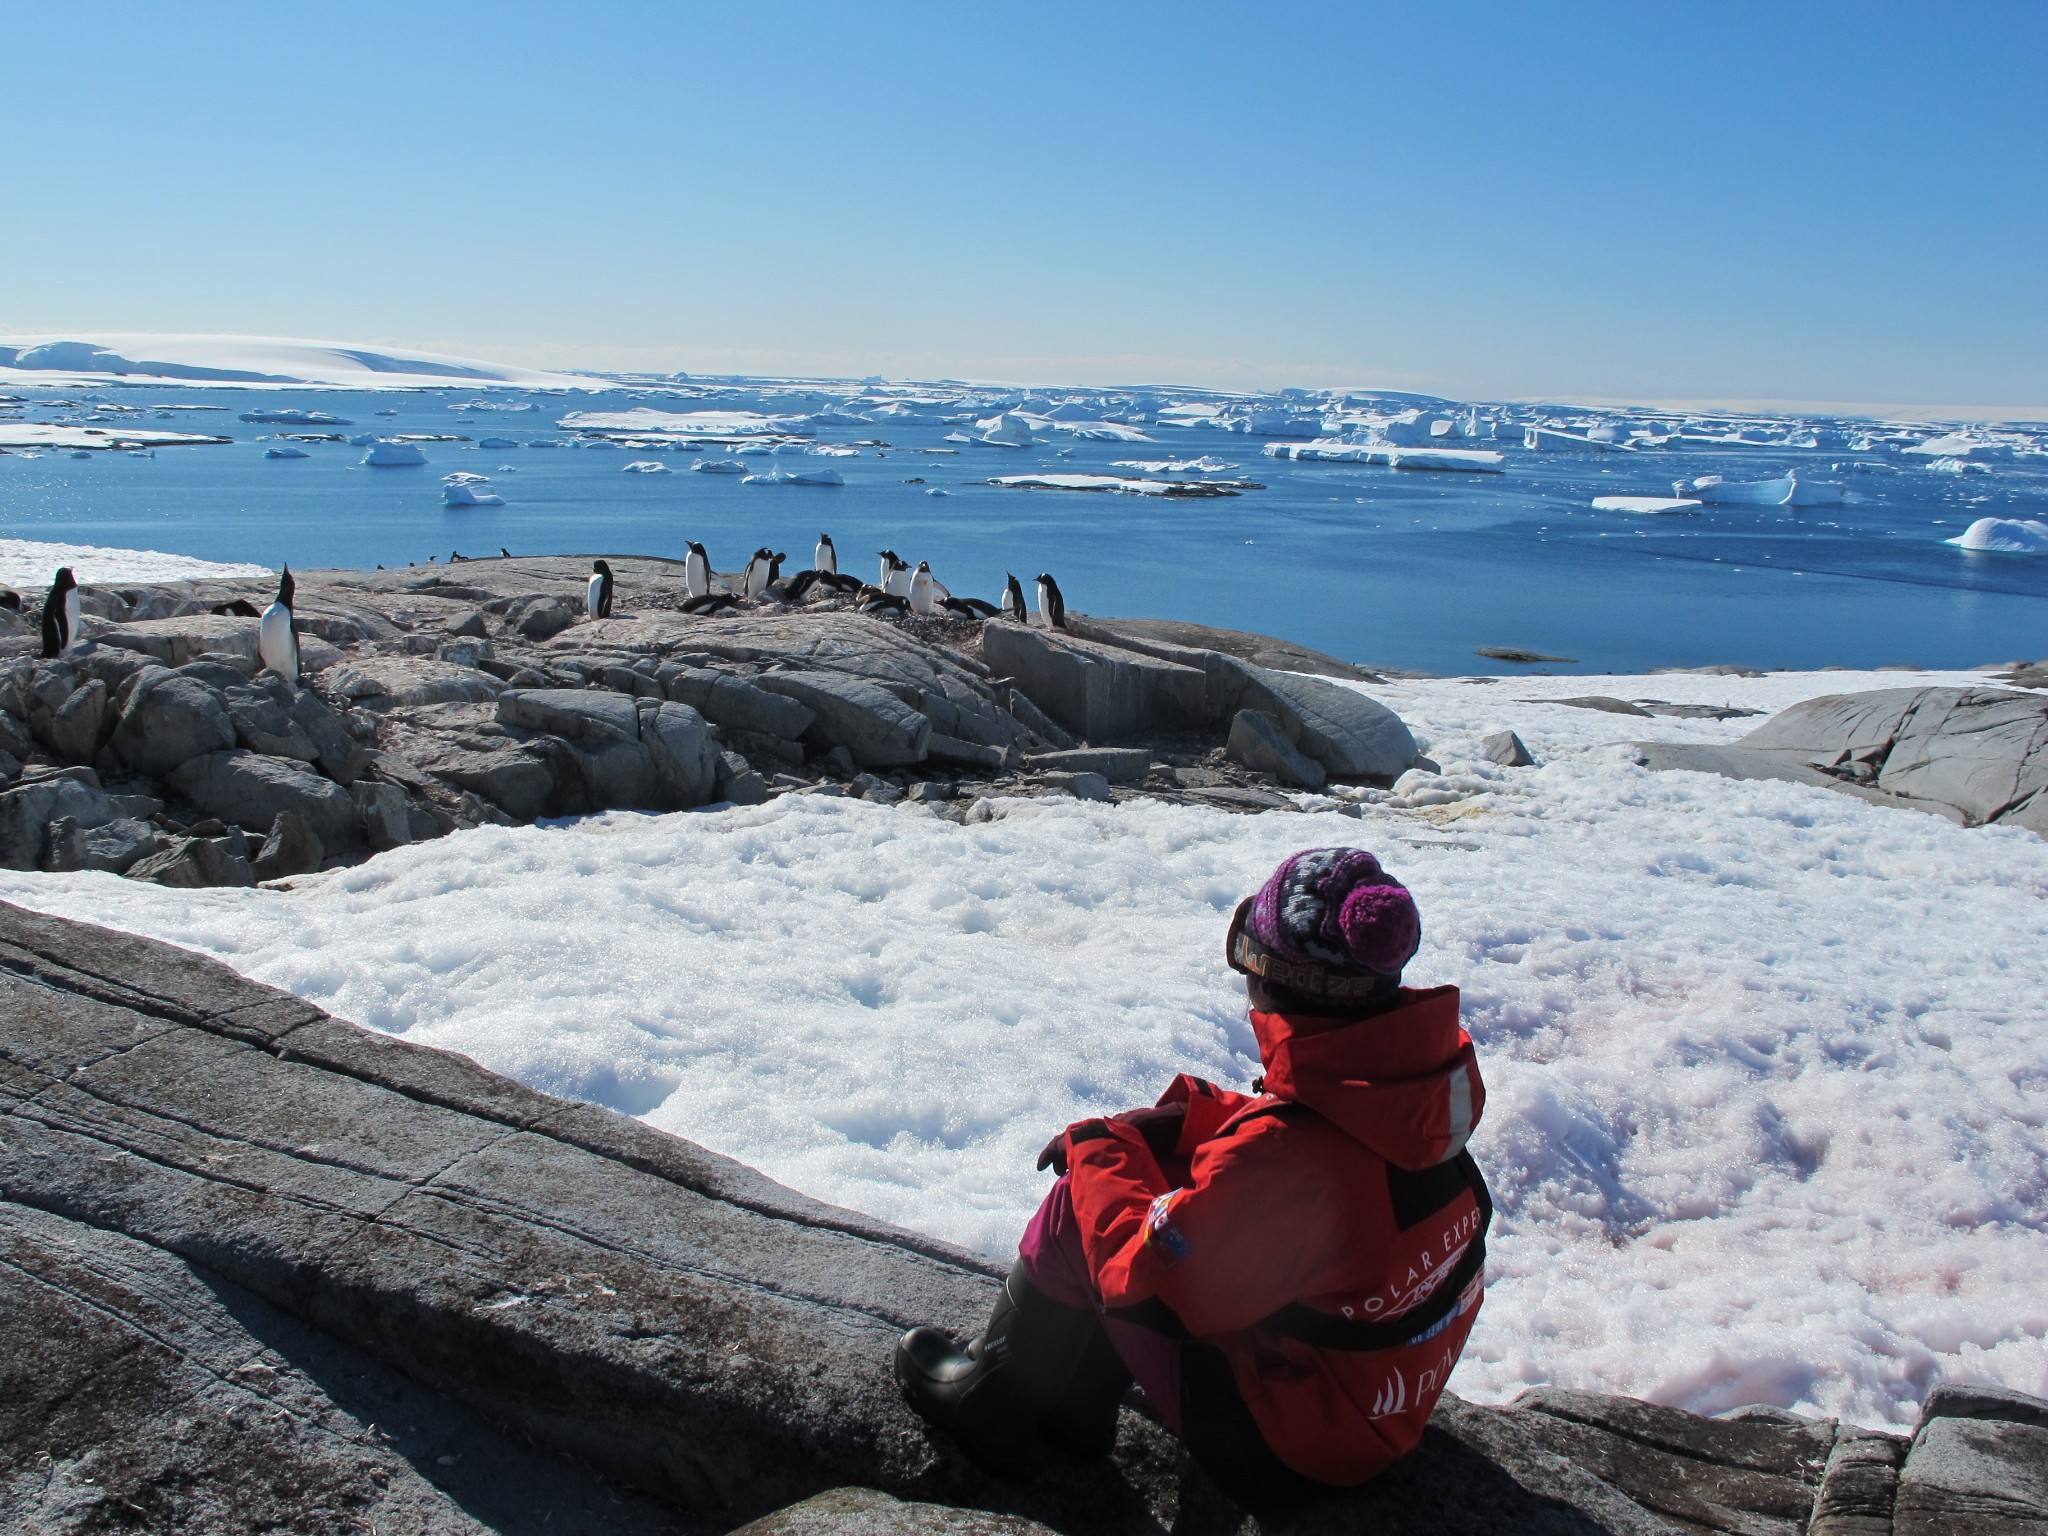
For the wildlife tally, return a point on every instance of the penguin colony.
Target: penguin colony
(897, 588)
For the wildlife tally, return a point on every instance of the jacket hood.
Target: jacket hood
(1403, 1082)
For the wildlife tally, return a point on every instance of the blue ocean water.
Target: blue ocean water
(1396, 568)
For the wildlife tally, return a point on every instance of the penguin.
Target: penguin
(710, 602)
(277, 645)
(1051, 606)
(60, 615)
(923, 601)
(895, 574)
(696, 572)
(872, 600)
(801, 583)
(239, 608)
(597, 597)
(1013, 599)
(968, 607)
(504, 553)
(10, 599)
(825, 559)
(754, 581)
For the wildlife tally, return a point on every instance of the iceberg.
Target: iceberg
(285, 452)
(1206, 465)
(681, 423)
(1960, 445)
(1646, 506)
(385, 454)
(1337, 451)
(497, 442)
(645, 467)
(1008, 430)
(1737, 493)
(469, 496)
(1959, 467)
(719, 467)
(1128, 487)
(465, 477)
(2003, 536)
(796, 477)
(1549, 439)
(291, 418)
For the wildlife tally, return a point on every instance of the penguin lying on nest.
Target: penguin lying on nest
(873, 600)
(711, 602)
(240, 608)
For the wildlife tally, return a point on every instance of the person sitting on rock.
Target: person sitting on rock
(1289, 1274)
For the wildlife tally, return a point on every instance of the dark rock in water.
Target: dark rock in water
(169, 720)
(247, 789)
(1507, 749)
(1512, 653)
(290, 849)
(234, 1232)
(1257, 741)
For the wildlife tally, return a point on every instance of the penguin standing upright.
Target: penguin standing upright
(597, 597)
(60, 615)
(754, 581)
(922, 598)
(1013, 599)
(277, 642)
(1051, 606)
(697, 572)
(825, 558)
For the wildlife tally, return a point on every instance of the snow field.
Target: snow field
(1768, 1066)
(27, 563)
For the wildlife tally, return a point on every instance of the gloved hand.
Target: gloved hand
(1159, 1124)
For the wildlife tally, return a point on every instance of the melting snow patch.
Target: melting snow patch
(26, 563)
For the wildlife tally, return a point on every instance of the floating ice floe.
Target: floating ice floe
(1206, 465)
(795, 477)
(1337, 451)
(54, 434)
(1102, 431)
(384, 454)
(1549, 439)
(284, 417)
(1960, 445)
(497, 442)
(286, 452)
(1128, 487)
(938, 490)
(465, 477)
(645, 467)
(1959, 467)
(1646, 506)
(1788, 490)
(680, 423)
(2003, 536)
(470, 496)
(547, 442)
(719, 467)
(831, 450)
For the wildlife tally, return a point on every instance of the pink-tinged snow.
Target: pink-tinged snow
(30, 563)
(1768, 1066)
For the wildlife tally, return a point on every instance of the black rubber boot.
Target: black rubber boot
(1083, 1422)
(995, 1391)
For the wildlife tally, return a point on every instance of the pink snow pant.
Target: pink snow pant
(1052, 1254)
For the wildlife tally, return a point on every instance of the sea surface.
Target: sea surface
(1404, 569)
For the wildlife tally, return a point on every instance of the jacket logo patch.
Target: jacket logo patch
(1166, 1240)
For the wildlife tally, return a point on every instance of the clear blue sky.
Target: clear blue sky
(1787, 201)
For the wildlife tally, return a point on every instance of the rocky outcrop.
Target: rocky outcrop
(1976, 755)
(484, 695)
(235, 1232)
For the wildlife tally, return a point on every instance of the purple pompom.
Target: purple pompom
(1337, 906)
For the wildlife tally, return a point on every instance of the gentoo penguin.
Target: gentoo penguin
(1051, 606)
(60, 615)
(697, 572)
(754, 581)
(10, 599)
(895, 574)
(240, 608)
(504, 553)
(825, 558)
(277, 646)
(597, 597)
(873, 600)
(1013, 599)
(968, 607)
(710, 602)
(923, 600)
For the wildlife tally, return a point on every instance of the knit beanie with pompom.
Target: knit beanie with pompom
(1337, 906)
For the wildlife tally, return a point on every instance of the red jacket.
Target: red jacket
(1267, 1227)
